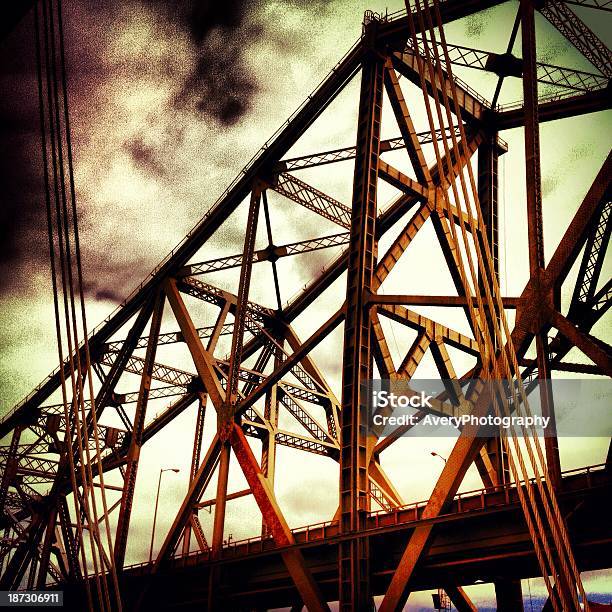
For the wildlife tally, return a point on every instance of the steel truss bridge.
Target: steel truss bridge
(550, 524)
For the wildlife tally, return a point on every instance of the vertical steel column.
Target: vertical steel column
(199, 429)
(357, 357)
(70, 545)
(488, 158)
(45, 553)
(226, 416)
(268, 444)
(133, 456)
(10, 465)
(535, 225)
(532, 139)
(508, 595)
(221, 497)
(488, 183)
(195, 460)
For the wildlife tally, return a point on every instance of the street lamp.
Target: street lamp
(161, 471)
(434, 454)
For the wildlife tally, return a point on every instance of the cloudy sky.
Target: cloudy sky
(168, 102)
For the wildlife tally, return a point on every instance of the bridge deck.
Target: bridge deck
(482, 536)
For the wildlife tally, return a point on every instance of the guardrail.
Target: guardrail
(319, 531)
(553, 97)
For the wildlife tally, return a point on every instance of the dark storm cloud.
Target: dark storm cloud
(145, 156)
(22, 213)
(477, 23)
(219, 89)
(221, 84)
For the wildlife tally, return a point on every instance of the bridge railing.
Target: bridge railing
(321, 530)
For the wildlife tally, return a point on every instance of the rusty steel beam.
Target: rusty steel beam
(136, 441)
(297, 190)
(268, 254)
(211, 502)
(226, 412)
(122, 358)
(507, 65)
(400, 244)
(195, 463)
(272, 515)
(597, 351)
(202, 359)
(592, 261)
(535, 226)
(451, 301)
(402, 182)
(415, 354)
(198, 438)
(353, 557)
(380, 348)
(420, 322)
(471, 105)
(512, 116)
(460, 599)
(347, 153)
(582, 37)
(406, 126)
(268, 442)
(492, 462)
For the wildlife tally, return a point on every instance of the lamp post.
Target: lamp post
(161, 471)
(434, 454)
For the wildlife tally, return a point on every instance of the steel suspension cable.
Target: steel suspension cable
(53, 134)
(490, 365)
(67, 225)
(491, 274)
(532, 507)
(546, 489)
(464, 236)
(47, 186)
(79, 269)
